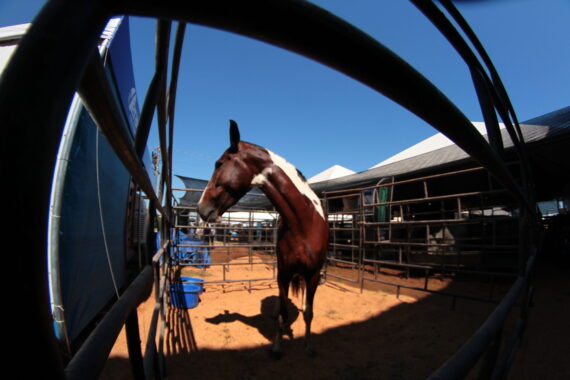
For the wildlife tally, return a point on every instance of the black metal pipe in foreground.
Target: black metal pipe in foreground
(504, 106)
(491, 92)
(37, 86)
(96, 94)
(497, 82)
(323, 37)
(89, 361)
(153, 357)
(147, 113)
(163, 28)
(459, 365)
(171, 100)
(36, 89)
(482, 83)
(134, 345)
(150, 350)
(155, 89)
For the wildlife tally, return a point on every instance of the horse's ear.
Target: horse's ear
(234, 136)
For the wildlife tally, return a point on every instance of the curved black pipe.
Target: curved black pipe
(37, 86)
(306, 29)
(36, 89)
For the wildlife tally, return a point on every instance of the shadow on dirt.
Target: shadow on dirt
(265, 322)
(409, 341)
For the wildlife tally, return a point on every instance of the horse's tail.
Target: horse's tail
(297, 284)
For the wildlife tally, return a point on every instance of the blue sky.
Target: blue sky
(316, 117)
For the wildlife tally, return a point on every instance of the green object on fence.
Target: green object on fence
(382, 211)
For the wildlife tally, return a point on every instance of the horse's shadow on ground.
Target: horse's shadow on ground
(266, 321)
(408, 341)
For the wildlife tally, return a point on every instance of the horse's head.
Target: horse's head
(231, 180)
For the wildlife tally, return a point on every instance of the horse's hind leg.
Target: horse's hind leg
(312, 283)
(282, 316)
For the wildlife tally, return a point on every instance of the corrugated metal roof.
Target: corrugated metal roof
(549, 126)
(432, 143)
(553, 125)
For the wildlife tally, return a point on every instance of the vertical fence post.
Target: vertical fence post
(362, 242)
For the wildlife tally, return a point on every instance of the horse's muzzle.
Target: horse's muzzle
(208, 213)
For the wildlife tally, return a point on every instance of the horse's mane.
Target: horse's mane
(301, 175)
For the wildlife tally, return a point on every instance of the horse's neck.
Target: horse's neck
(283, 204)
(289, 193)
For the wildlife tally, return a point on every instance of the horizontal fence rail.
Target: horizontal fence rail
(233, 234)
(89, 361)
(461, 363)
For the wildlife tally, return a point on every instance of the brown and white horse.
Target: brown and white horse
(302, 232)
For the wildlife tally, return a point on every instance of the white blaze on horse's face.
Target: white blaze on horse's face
(295, 177)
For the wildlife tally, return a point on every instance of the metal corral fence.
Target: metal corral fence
(47, 89)
(452, 223)
(242, 238)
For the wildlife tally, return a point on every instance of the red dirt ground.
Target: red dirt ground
(369, 335)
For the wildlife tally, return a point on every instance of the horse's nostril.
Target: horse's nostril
(206, 212)
(203, 211)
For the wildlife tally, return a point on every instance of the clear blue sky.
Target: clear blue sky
(316, 117)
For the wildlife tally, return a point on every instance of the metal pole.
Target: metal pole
(30, 141)
(89, 361)
(134, 345)
(96, 93)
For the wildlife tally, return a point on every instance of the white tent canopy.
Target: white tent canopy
(239, 217)
(335, 171)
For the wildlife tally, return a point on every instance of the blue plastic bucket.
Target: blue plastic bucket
(185, 296)
(193, 280)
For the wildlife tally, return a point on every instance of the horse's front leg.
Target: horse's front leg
(282, 317)
(312, 283)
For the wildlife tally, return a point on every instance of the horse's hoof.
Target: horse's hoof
(311, 352)
(275, 355)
